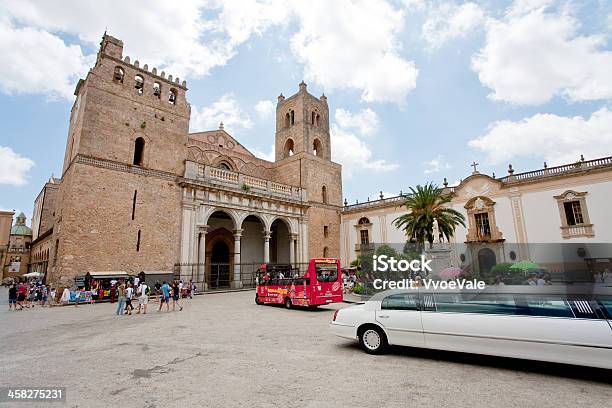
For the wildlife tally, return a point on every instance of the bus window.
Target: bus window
(327, 272)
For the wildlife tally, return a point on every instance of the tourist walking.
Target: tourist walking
(143, 297)
(164, 296)
(176, 294)
(120, 298)
(129, 294)
(21, 294)
(13, 297)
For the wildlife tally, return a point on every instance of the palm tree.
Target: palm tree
(426, 204)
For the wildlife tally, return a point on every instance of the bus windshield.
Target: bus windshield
(327, 272)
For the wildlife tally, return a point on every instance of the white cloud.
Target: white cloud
(226, 110)
(447, 21)
(532, 55)
(354, 45)
(38, 62)
(557, 139)
(190, 39)
(264, 108)
(365, 121)
(269, 156)
(354, 154)
(13, 167)
(436, 165)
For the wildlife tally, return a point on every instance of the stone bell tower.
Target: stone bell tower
(302, 125)
(303, 157)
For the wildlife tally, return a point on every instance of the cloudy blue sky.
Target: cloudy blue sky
(417, 89)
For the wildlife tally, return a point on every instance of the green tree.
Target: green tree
(424, 205)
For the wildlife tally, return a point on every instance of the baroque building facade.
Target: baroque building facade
(557, 216)
(140, 193)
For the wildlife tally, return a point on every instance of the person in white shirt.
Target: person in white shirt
(129, 294)
(143, 298)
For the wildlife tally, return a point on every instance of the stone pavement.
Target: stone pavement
(223, 350)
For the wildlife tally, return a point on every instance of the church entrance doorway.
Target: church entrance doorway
(486, 260)
(220, 265)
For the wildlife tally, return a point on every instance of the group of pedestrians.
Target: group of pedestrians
(127, 291)
(24, 294)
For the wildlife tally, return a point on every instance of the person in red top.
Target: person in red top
(21, 294)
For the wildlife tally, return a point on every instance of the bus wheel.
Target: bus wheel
(257, 301)
(288, 303)
(373, 340)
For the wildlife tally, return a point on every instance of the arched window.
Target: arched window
(312, 118)
(118, 75)
(325, 252)
(139, 145)
(224, 166)
(318, 120)
(157, 89)
(317, 148)
(363, 220)
(139, 83)
(172, 96)
(287, 120)
(324, 194)
(288, 150)
(292, 118)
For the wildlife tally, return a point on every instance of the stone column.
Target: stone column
(292, 241)
(201, 278)
(237, 282)
(267, 235)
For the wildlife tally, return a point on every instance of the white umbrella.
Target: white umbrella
(32, 274)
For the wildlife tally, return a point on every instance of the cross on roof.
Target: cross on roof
(474, 164)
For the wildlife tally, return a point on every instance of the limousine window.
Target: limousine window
(479, 303)
(553, 306)
(402, 301)
(606, 302)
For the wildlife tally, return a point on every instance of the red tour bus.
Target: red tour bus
(282, 284)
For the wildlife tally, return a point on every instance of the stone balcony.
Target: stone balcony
(217, 177)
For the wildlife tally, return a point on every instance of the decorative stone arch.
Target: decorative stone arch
(196, 154)
(482, 205)
(291, 226)
(233, 214)
(265, 221)
(224, 161)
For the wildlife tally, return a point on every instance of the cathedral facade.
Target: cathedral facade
(140, 193)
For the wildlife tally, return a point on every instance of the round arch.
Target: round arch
(288, 148)
(317, 147)
(224, 162)
(224, 211)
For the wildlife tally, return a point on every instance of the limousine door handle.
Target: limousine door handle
(384, 316)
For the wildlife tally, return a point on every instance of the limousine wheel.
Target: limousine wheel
(288, 303)
(373, 340)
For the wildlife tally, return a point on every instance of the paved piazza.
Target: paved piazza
(223, 350)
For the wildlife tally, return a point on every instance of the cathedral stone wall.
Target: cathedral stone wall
(95, 228)
(122, 204)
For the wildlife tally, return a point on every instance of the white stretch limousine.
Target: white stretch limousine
(552, 323)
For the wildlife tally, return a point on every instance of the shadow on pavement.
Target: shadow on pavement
(599, 375)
